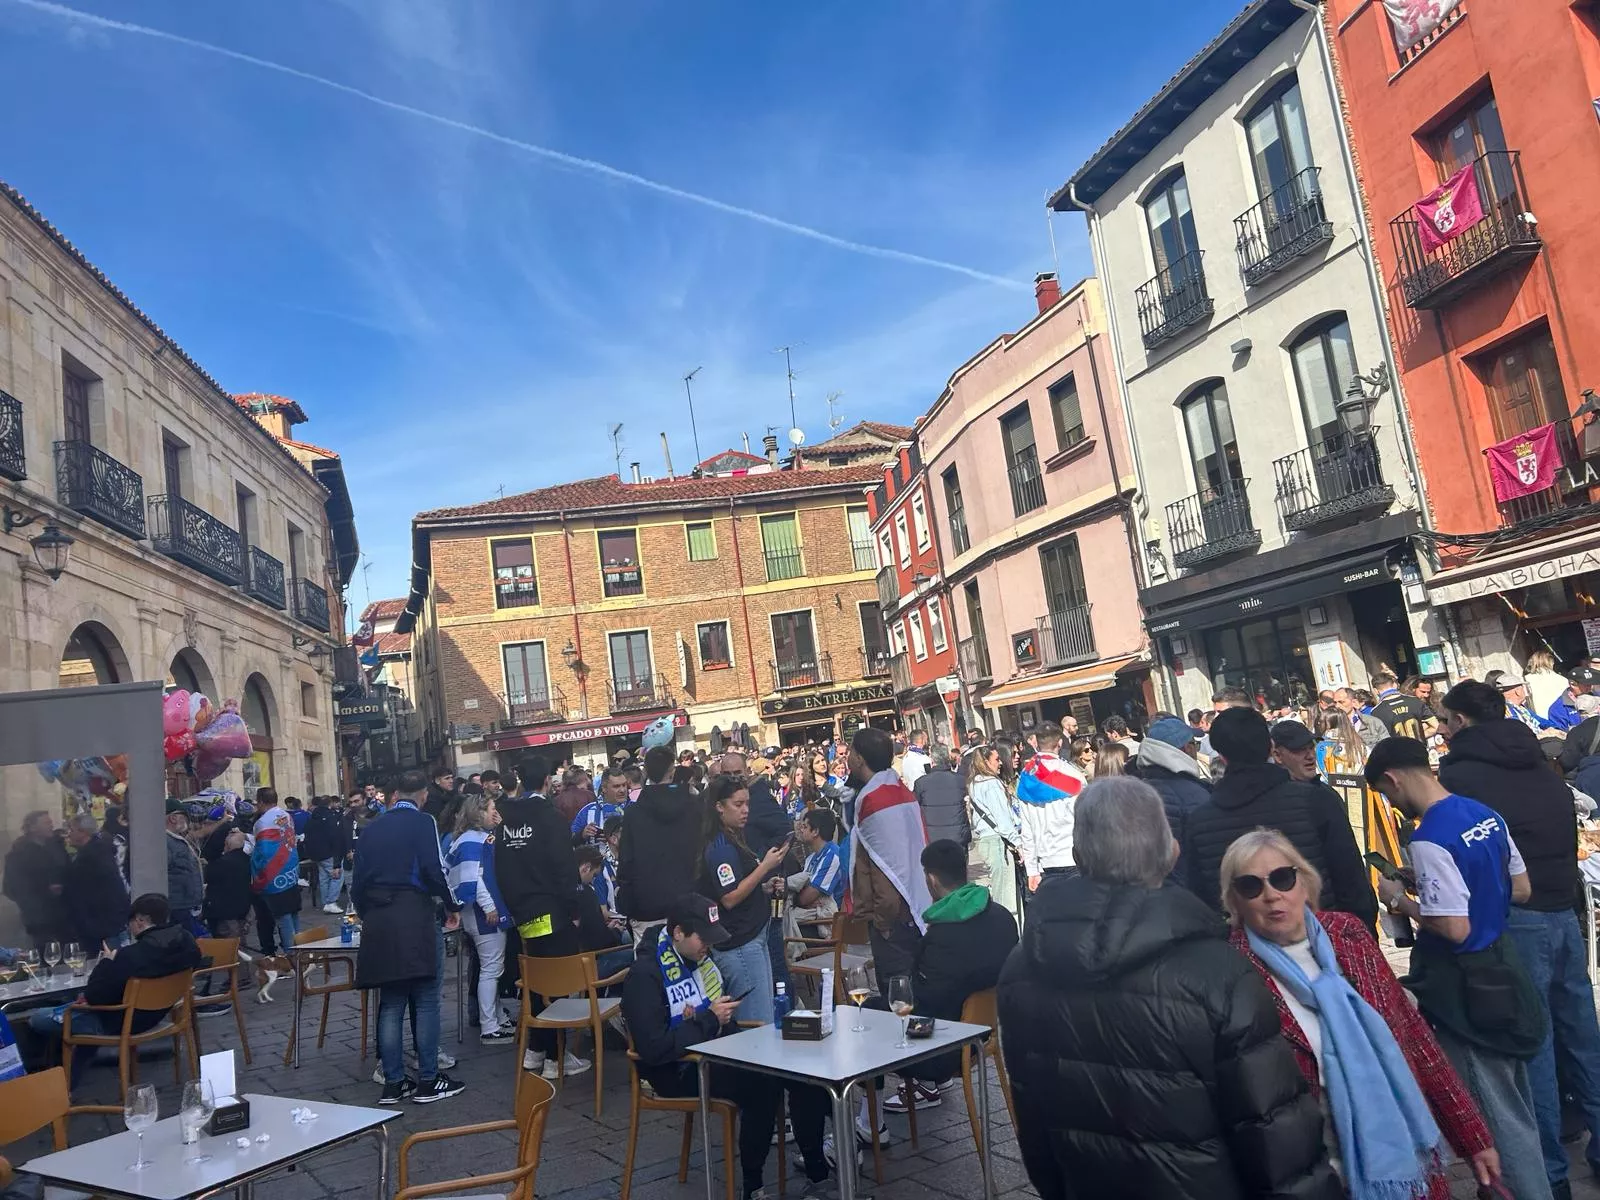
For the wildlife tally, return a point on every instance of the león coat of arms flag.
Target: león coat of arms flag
(1524, 464)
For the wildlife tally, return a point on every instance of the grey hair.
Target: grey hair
(1120, 832)
(939, 757)
(84, 823)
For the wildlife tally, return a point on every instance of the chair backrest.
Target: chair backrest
(223, 952)
(157, 995)
(851, 930)
(30, 1102)
(552, 977)
(534, 1094)
(983, 1008)
(319, 934)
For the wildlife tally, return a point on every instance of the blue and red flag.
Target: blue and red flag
(1047, 778)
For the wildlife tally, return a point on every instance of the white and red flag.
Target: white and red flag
(889, 830)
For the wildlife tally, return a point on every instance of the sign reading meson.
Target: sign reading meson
(362, 712)
(1579, 562)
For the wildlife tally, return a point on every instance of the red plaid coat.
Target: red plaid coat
(1368, 972)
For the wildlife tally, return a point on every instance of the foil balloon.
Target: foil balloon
(175, 713)
(177, 745)
(119, 766)
(658, 733)
(50, 769)
(208, 766)
(225, 736)
(200, 712)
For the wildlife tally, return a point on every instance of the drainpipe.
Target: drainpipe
(577, 629)
(744, 603)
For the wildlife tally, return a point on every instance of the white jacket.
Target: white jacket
(1045, 837)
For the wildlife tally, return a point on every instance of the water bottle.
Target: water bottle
(780, 1005)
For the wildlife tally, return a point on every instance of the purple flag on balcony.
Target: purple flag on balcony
(1416, 19)
(1525, 464)
(1451, 209)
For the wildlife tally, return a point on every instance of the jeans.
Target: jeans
(748, 968)
(1552, 949)
(287, 926)
(1499, 1084)
(778, 959)
(757, 1099)
(419, 997)
(45, 1024)
(491, 948)
(329, 888)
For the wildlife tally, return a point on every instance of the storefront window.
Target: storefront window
(1266, 657)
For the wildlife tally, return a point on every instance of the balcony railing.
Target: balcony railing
(1211, 524)
(1066, 637)
(1174, 300)
(1330, 480)
(622, 579)
(874, 661)
(783, 564)
(310, 604)
(640, 692)
(1444, 26)
(13, 459)
(888, 586)
(900, 673)
(187, 533)
(263, 577)
(973, 653)
(534, 707)
(802, 672)
(1434, 278)
(864, 555)
(960, 539)
(90, 481)
(1027, 482)
(1558, 495)
(1291, 222)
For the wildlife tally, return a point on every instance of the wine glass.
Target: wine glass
(75, 959)
(900, 1005)
(139, 1112)
(52, 956)
(858, 983)
(30, 964)
(195, 1110)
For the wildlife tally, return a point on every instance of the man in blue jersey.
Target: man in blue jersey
(1465, 973)
(591, 820)
(816, 890)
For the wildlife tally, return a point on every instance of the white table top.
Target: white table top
(103, 1165)
(840, 1057)
(59, 986)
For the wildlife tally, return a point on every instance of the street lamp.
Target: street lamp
(569, 654)
(51, 547)
(1356, 405)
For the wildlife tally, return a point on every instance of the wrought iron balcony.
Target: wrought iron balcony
(1174, 300)
(263, 578)
(1330, 480)
(310, 604)
(888, 586)
(1211, 524)
(1561, 494)
(640, 692)
(544, 706)
(1290, 223)
(1505, 237)
(874, 661)
(1027, 481)
(864, 555)
(90, 481)
(783, 564)
(347, 675)
(790, 673)
(973, 653)
(13, 460)
(187, 533)
(900, 673)
(1066, 637)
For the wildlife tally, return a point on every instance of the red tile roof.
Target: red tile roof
(390, 644)
(322, 450)
(607, 491)
(281, 403)
(383, 610)
(863, 434)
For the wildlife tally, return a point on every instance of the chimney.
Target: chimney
(634, 467)
(770, 445)
(666, 452)
(1047, 289)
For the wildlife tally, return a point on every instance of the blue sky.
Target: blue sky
(457, 311)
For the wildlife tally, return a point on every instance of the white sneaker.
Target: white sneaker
(333, 908)
(533, 1061)
(864, 1132)
(443, 1063)
(573, 1066)
(799, 1162)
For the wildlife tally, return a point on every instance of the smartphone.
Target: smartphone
(742, 995)
(1384, 867)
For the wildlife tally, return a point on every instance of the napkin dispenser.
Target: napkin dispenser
(232, 1112)
(803, 1025)
(229, 1118)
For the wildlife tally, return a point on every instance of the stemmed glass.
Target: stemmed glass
(30, 964)
(859, 985)
(75, 959)
(52, 956)
(196, 1108)
(900, 1005)
(139, 1112)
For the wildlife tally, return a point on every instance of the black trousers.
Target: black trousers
(560, 942)
(756, 1097)
(893, 953)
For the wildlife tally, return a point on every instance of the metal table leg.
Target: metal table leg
(383, 1161)
(987, 1157)
(299, 1000)
(705, 1122)
(461, 1004)
(844, 1142)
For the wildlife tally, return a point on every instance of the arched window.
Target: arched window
(1324, 362)
(1172, 235)
(1280, 147)
(92, 658)
(1213, 449)
(256, 709)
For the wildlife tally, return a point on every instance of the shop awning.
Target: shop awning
(1072, 682)
(1522, 566)
(579, 731)
(1271, 595)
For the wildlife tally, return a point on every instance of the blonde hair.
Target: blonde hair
(1541, 660)
(980, 761)
(1253, 843)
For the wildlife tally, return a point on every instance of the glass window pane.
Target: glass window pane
(702, 543)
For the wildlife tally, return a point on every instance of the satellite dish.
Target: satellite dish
(797, 437)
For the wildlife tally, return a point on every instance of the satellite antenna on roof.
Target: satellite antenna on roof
(616, 446)
(797, 436)
(834, 419)
(788, 370)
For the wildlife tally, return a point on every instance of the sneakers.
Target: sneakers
(333, 908)
(799, 1162)
(924, 1095)
(574, 1066)
(864, 1133)
(494, 1036)
(533, 1060)
(394, 1093)
(442, 1088)
(442, 1063)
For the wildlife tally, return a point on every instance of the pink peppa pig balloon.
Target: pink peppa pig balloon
(175, 714)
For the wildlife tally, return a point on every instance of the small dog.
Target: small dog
(269, 968)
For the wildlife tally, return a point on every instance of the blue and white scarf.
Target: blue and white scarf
(697, 986)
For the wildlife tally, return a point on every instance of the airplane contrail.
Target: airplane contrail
(570, 160)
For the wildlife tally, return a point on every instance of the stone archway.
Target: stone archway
(259, 708)
(188, 670)
(93, 657)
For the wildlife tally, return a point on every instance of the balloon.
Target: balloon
(98, 777)
(119, 766)
(208, 766)
(226, 736)
(175, 715)
(201, 712)
(659, 732)
(176, 745)
(50, 768)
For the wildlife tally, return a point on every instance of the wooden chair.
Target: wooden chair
(330, 984)
(644, 1099)
(572, 990)
(170, 994)
(532, 1110)
(981, 1008)
(30, 1102)
(224, 956)
(845, 948)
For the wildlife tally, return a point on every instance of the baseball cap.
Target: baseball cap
(696, 914)
(1291, 735)
(1507, 680)
(174, 805)
(1174, 732)
(1587, 676)
(1586, 704)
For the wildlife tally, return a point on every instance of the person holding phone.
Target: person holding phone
(735, 876)
(675, 998)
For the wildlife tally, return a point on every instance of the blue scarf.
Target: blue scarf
(697, 986)
(1388, 1140)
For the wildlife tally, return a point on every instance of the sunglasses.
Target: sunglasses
(1248, 887)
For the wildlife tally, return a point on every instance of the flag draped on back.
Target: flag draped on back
(889, 830)
(1047, 777)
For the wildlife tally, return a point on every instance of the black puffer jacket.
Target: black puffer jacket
(1261, 795)
(1146, 1056)
(1501, 764)
(658, 859)
(1178, 779)
(943, 799)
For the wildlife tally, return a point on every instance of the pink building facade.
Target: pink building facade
(1031, 478)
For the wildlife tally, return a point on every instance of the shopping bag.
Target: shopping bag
(10, 1057)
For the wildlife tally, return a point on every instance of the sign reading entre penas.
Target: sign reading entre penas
(833, 698)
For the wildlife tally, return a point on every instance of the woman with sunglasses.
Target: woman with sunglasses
(1390, 1097)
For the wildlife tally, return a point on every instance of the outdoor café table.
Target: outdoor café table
(102, 1167)
(334, 945)
(837, 1063)
(57, 988)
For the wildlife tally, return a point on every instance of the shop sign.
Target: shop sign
(1527, 575)
(834, 698)
(553, 734)
(1025, 648)
(362, 712)
(1591, 636)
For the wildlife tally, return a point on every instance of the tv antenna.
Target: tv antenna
(788, 370)
(689, 391)
(616, 446)
(834, 419)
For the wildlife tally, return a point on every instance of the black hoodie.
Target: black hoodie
(1257, 795)
(658, 859)
(1501, 764)
(158, 951)
(534, 863)
(660, 1044)
(1146, 1055)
